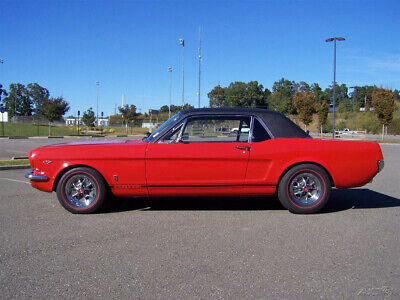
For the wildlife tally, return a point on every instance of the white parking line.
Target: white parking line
(27, 182)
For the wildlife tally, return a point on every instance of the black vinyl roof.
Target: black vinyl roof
(278, 124)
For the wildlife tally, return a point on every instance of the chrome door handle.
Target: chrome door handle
(247, 148)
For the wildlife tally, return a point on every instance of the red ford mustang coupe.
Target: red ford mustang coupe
(207, 152)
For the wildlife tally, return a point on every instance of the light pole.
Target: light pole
(199, 66)
(182, 43)
(334, 39)
(170, 91)
(354, 109)
(97, 112)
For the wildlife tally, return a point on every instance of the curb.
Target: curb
(3, 168)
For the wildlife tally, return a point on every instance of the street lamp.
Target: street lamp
(170, 91)
(199, 65)
(334, 39)
(182, 43)
(97, 112)
(354, 110)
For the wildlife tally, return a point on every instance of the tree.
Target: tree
(18, 102)
(341, 93)
(217, 97)
(37, 94)
(384, 106)
(322, 110)
(2, 92)
(281, 98)
(305, 105)
(53, 109)
(88, 118)
(128, 112)
(239, 94)
(363, 96)
(164, 109)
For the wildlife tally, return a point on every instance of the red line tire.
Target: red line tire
(81, 190)
(304, 189)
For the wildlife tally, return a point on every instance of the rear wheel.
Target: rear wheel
(304, 189)
(81, 190)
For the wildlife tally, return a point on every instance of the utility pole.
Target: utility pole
(182, 43)
(198, 93)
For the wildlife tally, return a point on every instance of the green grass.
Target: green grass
(29, 129)
(14, 162)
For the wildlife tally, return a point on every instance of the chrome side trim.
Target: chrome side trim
(35, 177)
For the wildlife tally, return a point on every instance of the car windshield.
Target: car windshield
(164, 125)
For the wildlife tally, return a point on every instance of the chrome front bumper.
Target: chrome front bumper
(35, 177)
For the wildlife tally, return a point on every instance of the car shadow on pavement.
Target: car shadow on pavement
(340, 200)
(358, 199)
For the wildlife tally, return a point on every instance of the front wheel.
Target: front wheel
(305, 188)
(81, 190)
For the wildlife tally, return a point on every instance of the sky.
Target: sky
(66, 46)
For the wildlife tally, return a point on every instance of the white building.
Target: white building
(149, 125)
(4, 117)
(73, 121)
(103, 122)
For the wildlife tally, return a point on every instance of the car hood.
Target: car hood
(93, 143)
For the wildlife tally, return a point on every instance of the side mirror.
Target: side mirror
(148, 134)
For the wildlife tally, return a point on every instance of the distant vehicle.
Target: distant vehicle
(244, 129)
(185, 157)
(347, 131)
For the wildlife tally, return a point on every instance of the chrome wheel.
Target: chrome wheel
(305, 189)
(81, 190)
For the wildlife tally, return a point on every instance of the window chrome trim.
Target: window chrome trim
(185, 121)
(251, 130)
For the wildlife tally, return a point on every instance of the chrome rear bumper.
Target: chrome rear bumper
(35, 177)
(381, 164)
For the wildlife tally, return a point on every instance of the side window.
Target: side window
(259, 132)
(173, 135)
(217, 129)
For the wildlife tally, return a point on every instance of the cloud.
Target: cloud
(381, 69)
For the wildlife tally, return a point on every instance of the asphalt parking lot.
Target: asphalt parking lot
(202, 248)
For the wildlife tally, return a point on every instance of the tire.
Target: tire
(304, 189)
(81, 190)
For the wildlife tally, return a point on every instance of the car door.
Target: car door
(262, 156)
(202, 152)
